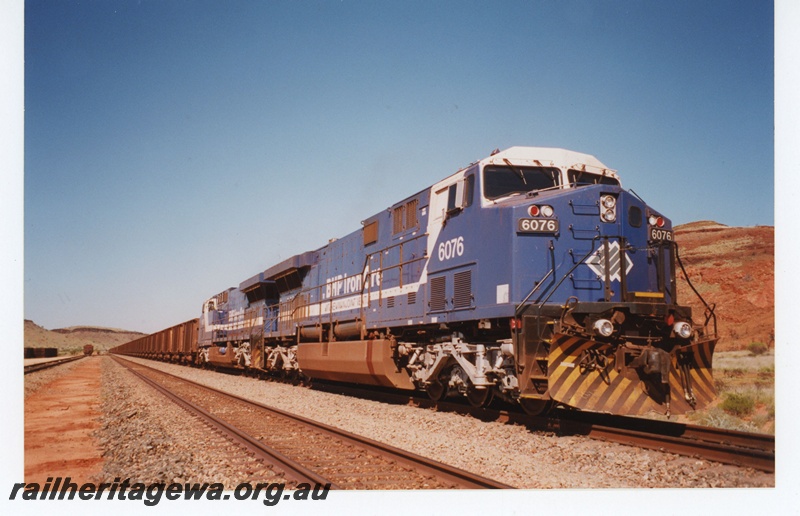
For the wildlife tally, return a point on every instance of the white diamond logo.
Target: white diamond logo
(597, 261)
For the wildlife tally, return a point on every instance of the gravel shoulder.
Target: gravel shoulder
(148, 439)
(505, 452)
(36, 380)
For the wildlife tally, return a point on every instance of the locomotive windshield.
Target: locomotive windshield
(579, 178)
(501, 181)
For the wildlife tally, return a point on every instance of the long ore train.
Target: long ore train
(530, 276)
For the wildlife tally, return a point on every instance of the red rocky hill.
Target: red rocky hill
(734, 268)
(71, 340)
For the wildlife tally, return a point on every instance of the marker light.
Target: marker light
(660, 222)
(533, 211)
(655, 220)
(603, 327)
(682, 329)
(547, 211)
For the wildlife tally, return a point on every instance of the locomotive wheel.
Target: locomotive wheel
(534, 407)
(479, 397)
(436, 390)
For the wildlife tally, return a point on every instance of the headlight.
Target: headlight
(608, 204)
(682, 329)
(603, 327)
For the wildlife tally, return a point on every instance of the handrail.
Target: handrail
(521, 305)
(565, 276)
(709, 314)
(538, 284)
(290, 315)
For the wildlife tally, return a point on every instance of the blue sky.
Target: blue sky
(176, 148)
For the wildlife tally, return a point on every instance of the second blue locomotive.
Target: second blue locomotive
(530, 275)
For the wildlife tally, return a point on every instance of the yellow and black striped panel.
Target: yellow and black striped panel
(256, 357)
(701, 379)
(617, 389)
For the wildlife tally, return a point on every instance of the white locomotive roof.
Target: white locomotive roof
(549, 157)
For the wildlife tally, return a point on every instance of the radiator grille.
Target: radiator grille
(438, 299)
(370, 233)
(462, 289)
(411, 214)
(398, 222)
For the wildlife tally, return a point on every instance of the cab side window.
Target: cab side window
(459, 195)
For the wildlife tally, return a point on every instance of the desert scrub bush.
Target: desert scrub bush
(757, 348)
(766, 397)
(733, 373)
(719, 419)
(766, 372)
(761, 420)
(720, 384)
(763, 396)
(763, 384)
(738, 404)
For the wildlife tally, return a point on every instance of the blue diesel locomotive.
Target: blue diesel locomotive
(530, 275)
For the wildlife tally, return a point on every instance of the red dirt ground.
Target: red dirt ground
(59, 421)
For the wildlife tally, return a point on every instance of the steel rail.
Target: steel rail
(32, 368)
(756, 458)
(744, 449)
(292, 469)
(442, 471)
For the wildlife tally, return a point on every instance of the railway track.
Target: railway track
(305, 450)
(732, 447)
(744, 449)
(52, 363)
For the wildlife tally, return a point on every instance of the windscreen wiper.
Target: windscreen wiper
(518, 171)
